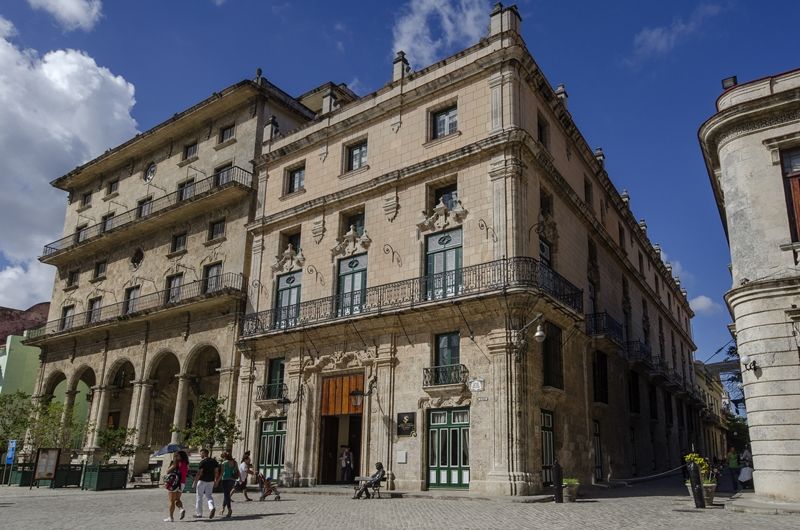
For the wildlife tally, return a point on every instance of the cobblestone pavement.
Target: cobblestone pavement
(645, 506)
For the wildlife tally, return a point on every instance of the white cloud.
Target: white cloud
(57, 111)
(355, 85)
(71, 14)
(678, 270)
(7, 28)
(218, 2)
(650, 42)
(703, 305)
(429, 28)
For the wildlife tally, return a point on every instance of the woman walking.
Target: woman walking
(230, 472)
(175, 482)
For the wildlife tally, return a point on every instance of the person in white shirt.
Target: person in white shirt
(244, 470)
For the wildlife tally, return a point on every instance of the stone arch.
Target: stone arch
(54, 379)
(84, 373)
(191, 360)
(113, 371)
(154, 361)
(162, 372)
(119, 384)
(202, 365)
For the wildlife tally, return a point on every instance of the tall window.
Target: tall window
(107, 222)
(444, 122)
(67, 316)
(543, 132)
(81, 233)
(588, 193)
(86, 199)
(446, 194)
(545, 255)
(600, 373)
(216, 229)
(641, 264)
(545, 203)
(352, 285)
(645, 323)
(100, 269)
(131, 296)
(447, 357)
(212, 277)
(72, 277)
(634, 400)
(295, 179)
(185, 189)
(552, 357)
(95, 309)
(144, 207)
(356, 156)
(592, 294)
(190, 151)
(223, 174)
(443, 264)
(791, 174)
(622, 243)
(275, 378)
(287, 299)
(112, 187)
(226, 133)
(173, 294)
(178, 242)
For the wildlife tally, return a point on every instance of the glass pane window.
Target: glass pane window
(107, 222)
(438, 418)
(100, 269)
(131, 296)
(791, 161)
(212, 277)
(288, 299)
(357, 156)
(296, 179)
(447, 195)
(443, 264)
(178, 242)
(81, 233)
(67, 316)
(356, 221)
(226, 133)
(216, 229)
(461, 416)
(223, 175)
(447, 349)
(445, 122)
(144, 207)
(86, 199)
(294, 240)
(174, 288)
(352, 284)
(94, 309)
(544, 253)
(190, 151)
(72, 278)
(112, 187)
(185, 189)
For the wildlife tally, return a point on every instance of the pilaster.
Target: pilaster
(181, 405)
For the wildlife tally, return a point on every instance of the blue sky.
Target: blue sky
(641, 76)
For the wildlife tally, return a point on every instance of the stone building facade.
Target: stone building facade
(399, 257)
(713, 432)
(752, 152)
(396, 287)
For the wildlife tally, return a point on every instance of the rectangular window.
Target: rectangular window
(178, 242)
(448, 195)
(592, 251)
(444, 122)
(212, 278)
(352, 285)
(100, 269)
(657, 284)
(622, 241)
(287, 300)
(543, 132)
(107, 222)
(131, 297)
(190, 151)
(545, 253)
(641, 264)
(112, 187)
(173, 294)
(588, 193)
(552, 357)
(226, 133)
(791, 180)
(355, 221)
(443, 264)
(81, 233)
(185, 189)
(295, 179)
(72, 278)
(95, 309)
(545, 203)
(144, 207)
(67, 317)
(275, 378)
(86, 199)
(634, 399)
(356, 156)
(447, 359)
(216, 229)
(600, 373)
(223, 174)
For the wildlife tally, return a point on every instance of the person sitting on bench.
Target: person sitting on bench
(374, 479)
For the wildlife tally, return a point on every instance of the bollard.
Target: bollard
(558, 482)
(697, 485)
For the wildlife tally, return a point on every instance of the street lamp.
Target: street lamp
(284, 402)
(357, 395)
(748, 363)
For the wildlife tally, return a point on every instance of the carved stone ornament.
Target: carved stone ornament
(318, 229)
(390, 205)
(289, 260)
(464, 399)
(442, 216)
(547, 228)
(351, 243)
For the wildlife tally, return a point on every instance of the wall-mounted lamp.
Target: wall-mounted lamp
(748, 363)
(284, 401)
(357, 395)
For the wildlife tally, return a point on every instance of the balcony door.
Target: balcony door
(274, 388)
(443, 264)
(131, 298)
(287, 300)
(271, 448)
(212, 278)
(448, 448)
(447, 359)
(352, 285)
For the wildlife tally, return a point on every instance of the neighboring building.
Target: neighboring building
(434, 218)
(19, 365)
(402, 250)
(752, 151)
(16, 321)
(713, 431)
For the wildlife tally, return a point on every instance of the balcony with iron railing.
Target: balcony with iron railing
(604, 325)
(496, 276)
(271, 391)
(439, 381)
(638, 352)
(186, 202)
(228, 284)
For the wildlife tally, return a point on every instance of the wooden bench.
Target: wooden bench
(375, 489)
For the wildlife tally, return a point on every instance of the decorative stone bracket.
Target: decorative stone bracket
(289, 260)
(442, 216)
(351, 242)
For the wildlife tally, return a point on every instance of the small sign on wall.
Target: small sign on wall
(407, 424)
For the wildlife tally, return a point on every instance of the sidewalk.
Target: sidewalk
(749, 502)
(448, 495)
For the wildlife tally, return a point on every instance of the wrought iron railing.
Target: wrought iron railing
(467, 281)
(660, 366)
(211, 286)
(229, 177)
(451, 374)
(638, 351)
(603, 324)
(271, 391)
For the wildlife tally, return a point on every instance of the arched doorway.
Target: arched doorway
(120, 386)
(204, 371)
(164, 394)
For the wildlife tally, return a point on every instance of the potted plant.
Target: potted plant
(707, 476)
(105, 476)
(571, 486)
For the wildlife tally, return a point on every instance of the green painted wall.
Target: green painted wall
(19, 366)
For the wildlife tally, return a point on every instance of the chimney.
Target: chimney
(328, 102)
(561, 94)
(400, 66)
(504, 19)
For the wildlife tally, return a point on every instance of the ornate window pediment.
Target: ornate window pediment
(442, 216)
(351, 243)
(289, 260)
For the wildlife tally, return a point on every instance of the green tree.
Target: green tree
(16, 411)
(738, 431)
(116, 441)
(47, 431)
(212, 425)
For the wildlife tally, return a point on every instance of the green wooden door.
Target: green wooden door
(271, 449)
(448, 448)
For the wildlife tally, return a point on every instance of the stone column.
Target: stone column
(100, 420)
(181, 404)
(138, 420)
(243, 412)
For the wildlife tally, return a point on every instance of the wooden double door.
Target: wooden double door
(341, 425)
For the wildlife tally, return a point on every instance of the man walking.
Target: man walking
(733, 467)
(207, 477)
